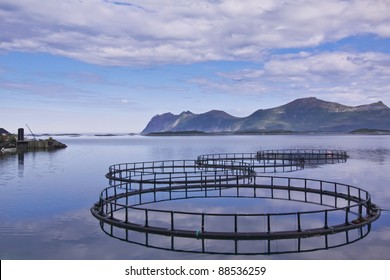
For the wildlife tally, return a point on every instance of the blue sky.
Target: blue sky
(105, 66)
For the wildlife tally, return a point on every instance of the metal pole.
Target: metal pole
(202, 222)
(268, 223)
(172, 221)
(299, 221)
(326, 218)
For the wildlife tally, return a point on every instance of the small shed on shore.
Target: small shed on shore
(4, 132)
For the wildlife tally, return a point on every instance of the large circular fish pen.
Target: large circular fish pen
(127, 205)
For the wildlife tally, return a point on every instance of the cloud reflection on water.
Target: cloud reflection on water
(45, 209)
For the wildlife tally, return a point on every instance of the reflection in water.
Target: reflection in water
(236, 247)
(20, 164)
(36, 206)
(21, 158)
(239, 234)
(377, 155)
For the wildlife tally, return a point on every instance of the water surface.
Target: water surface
(45, 197)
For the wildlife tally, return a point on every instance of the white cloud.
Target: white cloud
(337, 67)
(326, 64)
(149, 32)
(338, 76)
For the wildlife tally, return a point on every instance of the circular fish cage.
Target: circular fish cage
(312, 155)
(134, 187)
(262, 165)
(236, 246)
(349, 208)
(179, 172)
(272, 161)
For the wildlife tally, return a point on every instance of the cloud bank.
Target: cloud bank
(337, 75)
(162, 32)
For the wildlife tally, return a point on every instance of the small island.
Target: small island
(371, 131)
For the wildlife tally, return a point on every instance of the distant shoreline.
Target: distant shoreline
(368, 131)
(81, 134)
(272, 132)
(55, 134)
(364, 131)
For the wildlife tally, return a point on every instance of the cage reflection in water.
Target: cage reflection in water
(236, 246)
(344, 215)
(341, 208)
(126, 209)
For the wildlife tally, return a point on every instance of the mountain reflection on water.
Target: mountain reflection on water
(45, 197)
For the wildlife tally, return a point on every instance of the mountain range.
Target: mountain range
(301, 115)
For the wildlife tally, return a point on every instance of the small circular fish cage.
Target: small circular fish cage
(176, 172)
(272, 161)
(125, 204)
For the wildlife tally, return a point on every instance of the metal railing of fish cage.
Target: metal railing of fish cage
(349, 208)
(236, 247)
(259, 165)
(174, 172)
(315, 156)
(133, 186)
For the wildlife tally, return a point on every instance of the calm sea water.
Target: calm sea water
(45, 197)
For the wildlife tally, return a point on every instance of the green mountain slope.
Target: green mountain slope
(301, 115)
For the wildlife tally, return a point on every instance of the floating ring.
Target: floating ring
(135, 185)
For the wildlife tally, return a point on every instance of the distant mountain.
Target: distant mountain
(301, 115)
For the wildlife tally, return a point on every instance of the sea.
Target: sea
(46, 197)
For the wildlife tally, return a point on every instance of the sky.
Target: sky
(109, 66)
